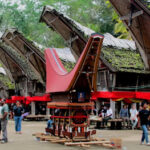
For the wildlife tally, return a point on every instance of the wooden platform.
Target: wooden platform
(36, 117)
(65, 104)
(76, 142)
(112, 123)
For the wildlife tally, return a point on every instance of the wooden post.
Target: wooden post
(122, 104)
(33, 108)
(105, 78)
(97, 106)
(112, 105)
(26, 87)
(114, 81)
(47, 111)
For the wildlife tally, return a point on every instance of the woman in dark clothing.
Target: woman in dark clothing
(18, 110)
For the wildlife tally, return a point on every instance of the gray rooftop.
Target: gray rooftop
(63, 53)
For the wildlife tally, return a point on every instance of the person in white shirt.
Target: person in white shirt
(108, 116)
(133, 116)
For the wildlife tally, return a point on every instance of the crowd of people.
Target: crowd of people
(18, 112)
(127, 115)
(130, 116)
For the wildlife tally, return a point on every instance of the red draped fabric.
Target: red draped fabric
(44, 98)
(143, 95)
(9, 101)
(27, 100)
(18, 98)
(121, 94)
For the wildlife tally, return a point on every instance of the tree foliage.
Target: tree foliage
(24, 15)
(92, 13)
(119, 28)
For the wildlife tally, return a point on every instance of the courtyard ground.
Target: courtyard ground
(26, 141)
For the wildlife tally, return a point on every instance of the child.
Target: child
(50, 123)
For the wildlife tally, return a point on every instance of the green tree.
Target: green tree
(24, 15)
(119, 28)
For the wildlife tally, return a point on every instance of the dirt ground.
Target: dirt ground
(26, 141)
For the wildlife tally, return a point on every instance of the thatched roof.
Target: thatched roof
(5, 82)
(15, 65)
(75, 34)
(32, 51)
(27, 50)
(2, 84)
(117, 54)
(123, 60)
(136, 17)
(63, 53)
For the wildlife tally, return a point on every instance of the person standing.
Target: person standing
(144, 115)
(4, 120)
(18, 111)
(133, 117)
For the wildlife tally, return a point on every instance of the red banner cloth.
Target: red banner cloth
(143, 95)
(120, 94)
(18, 98)
(45, 98)
(9, 101)
(27, 100)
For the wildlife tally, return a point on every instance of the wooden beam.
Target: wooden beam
(87, 143)
(72, 39)
(132, 16)
(60, 140)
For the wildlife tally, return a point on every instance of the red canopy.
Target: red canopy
(45, 98)
(9, 101)
(121, 94)
(14, 99)
(27, 100)
(18, 98)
